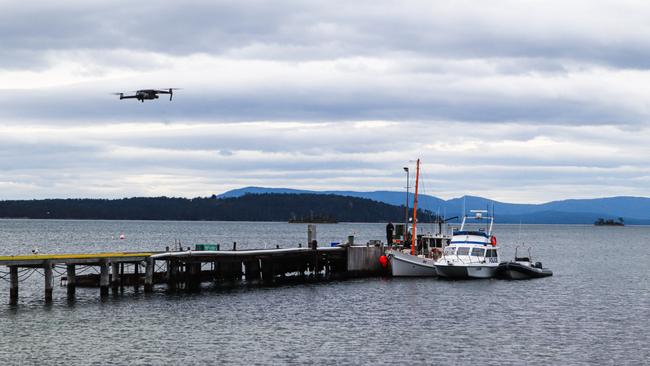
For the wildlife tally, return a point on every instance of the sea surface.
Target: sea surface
(595, 310)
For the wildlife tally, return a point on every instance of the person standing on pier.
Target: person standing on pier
(390, 229)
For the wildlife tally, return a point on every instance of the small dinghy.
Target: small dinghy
(522, 268)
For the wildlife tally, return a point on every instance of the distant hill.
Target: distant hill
(635, 210)
(249, 207)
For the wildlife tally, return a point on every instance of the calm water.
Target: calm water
(594, 310)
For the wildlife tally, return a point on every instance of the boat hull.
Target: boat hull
(406, 265)
(517, 271)
(465, 272)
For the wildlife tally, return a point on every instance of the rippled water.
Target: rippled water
(594, 310)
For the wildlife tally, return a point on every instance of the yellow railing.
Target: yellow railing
(71, 256)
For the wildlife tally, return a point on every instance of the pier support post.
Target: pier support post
(215, 272)
(148, 276)
(172, 269)
(168, 275)
(311, 234)
(252, 270)
(193, 279)
(268, 270)
(115, 276)
(136, 276)
(103, 279)
(121, 277)
(47, 268)
(71, 272)
(13, 292)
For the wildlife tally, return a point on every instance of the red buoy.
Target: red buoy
(493, 241)
(383, 261)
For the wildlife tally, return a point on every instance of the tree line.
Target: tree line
(250, 207)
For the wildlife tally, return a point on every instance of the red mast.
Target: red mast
(415, 208)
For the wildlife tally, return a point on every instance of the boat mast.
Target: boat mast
(415, 208)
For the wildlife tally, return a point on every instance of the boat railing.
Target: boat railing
(528, 257)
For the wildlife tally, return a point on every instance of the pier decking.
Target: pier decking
(187, 269)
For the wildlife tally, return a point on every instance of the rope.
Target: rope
(26, 277)
(57, 272)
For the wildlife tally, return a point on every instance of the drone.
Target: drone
(149, 94)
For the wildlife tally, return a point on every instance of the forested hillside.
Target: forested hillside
(250, 207)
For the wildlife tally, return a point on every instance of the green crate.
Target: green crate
(203, 247)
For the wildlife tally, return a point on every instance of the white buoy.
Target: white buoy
(121, 236)
(35, 251)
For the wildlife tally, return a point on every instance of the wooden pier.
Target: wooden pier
(188, 269)
(47, 262)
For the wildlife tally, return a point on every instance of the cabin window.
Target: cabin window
(491, 253)
(478, 252)
(450, 251)
(463, 251)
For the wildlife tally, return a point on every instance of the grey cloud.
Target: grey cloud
(328, 30)
(444, 73)
(378, 100)
(114, 164)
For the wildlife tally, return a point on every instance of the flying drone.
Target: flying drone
(148, 94)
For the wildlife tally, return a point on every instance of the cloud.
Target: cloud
(612, 32)
(521, 163)
(219, 90)
(516, 100)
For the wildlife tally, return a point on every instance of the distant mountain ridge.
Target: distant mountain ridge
(634, 210)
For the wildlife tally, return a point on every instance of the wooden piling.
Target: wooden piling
(13, 292)
(47, 268)
(193, 275)
(172, 270)
(168, 270)
(136, 272)
(121, 276)
(72, 280)
(103, 279)
(148, 276)
(311, 233)
(268, 270)
(115, 276)
(252, 270)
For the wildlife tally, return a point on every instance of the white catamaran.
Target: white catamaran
(471, 253)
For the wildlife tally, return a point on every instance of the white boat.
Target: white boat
(407, 265)
(418, 260)
(471, 253)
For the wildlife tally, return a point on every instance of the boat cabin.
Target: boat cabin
(473, 253)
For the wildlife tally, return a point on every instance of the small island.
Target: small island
(609, 222)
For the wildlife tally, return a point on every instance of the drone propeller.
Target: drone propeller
(120, 94)
(171, 92)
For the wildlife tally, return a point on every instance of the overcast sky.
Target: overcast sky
(519, 101)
